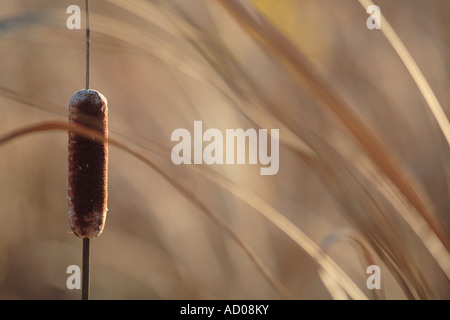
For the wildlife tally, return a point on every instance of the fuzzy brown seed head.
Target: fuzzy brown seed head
(88, 165)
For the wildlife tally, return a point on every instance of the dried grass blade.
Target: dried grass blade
(285, 225)
(414, 70)
(359, 242)
(321, 89)
(32, 101)
(184, 191)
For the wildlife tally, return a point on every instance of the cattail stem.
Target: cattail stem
(88, 44)
(85, 271)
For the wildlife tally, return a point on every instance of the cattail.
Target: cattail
(88, 165)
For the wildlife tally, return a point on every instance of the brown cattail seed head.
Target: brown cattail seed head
(88, 165)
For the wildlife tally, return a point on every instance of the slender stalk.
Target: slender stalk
(85, 272)
(88, 44)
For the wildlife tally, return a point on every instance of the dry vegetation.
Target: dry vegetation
(364, 162)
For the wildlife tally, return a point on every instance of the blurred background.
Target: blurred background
(164, 64)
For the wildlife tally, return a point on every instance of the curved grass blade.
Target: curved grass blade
(245, 195)
(221, 223)
(322, 90)
(414, 70)
(360, 243)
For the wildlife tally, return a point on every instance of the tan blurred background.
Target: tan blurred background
(164, 64)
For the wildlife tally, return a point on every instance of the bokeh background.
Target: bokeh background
(164, 64)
